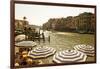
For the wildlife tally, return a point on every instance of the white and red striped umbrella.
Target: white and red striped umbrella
(69, 56)
(89, 50)
(41, 52)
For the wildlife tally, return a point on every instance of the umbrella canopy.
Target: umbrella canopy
(89, 50)
(20, 37)
(69, 56)
(26, 43)
(41, 52)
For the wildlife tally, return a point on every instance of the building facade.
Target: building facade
(20, 24)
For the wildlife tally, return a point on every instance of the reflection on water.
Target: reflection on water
(68, 40)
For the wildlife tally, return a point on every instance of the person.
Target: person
(29, 33)
(25, 32)
(17, 62)
(43, 36)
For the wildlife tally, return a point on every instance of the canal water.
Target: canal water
(66, 40)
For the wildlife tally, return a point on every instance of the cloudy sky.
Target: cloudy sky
(39, 14)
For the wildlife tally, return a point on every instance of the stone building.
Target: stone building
(85, 22)
(20, 24)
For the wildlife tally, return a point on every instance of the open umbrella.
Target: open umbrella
(68, 56)
(26, 43)
(41, 52)
(20, 37)
(89, 50)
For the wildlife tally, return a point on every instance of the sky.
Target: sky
(39, 14)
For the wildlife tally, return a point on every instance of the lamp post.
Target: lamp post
(25, 27)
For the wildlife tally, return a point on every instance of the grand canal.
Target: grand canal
(66, 40)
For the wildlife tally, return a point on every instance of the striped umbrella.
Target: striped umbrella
(26, 43)
(89, 50)
(69, 56)
(41, 52)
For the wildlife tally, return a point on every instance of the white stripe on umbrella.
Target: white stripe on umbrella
(41, 52)
(69, 56)
(89, 50)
